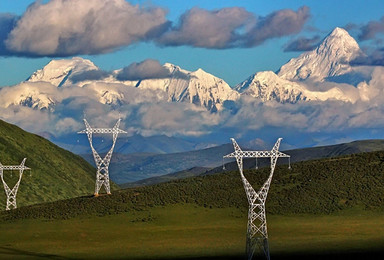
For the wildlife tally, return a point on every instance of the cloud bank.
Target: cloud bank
(76, 27)
(371, 30)
(147, 112)
(71, 27)
(233, 27)
(303, 44)
(147, 69)
(375, 58)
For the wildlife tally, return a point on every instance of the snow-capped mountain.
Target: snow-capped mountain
(294, 81)
(197, 87)
(57, 72)
(268, 86)
(329, 59)
(301, 79)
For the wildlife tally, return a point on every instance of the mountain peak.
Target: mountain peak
(329, 59)
(340, 43)
(200, 71)
(57, 71)
(339, 32)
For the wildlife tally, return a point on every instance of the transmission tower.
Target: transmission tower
(257, 235)
(102, 164)
(11, 193)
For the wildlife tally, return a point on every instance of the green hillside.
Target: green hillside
(56, 173)
(313, 187)
(195, 171)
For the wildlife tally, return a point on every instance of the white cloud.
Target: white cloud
(232, 27)
(70, 27)
(147, 112)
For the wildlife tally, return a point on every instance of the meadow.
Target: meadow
(188, 231)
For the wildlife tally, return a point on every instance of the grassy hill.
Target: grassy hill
(56, 173)
(134, 168)
(314, 187)
(195, 171)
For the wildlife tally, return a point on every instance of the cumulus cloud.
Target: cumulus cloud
(280, 23)
(302, 44)
(176, 119)
(306, 117)
(371, 29)
(374, 58)
(7, 22)
(232, 27)
(147, 69)
(210, 29)
(148, 112)
(71, 27)
(89, 75)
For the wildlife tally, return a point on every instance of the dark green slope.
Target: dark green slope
(135, 168)
(314, 187)
(56, 173)
(195, 171)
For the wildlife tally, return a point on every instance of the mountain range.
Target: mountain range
(163, 104)
(328, 62)
(175, 85)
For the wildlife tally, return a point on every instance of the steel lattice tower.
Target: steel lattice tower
(11, 193)
(102, 164)
(257, 235)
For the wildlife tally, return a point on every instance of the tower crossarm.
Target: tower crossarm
(11, 168)
(102, 131)
(250, 154)
(256, 154)
(115, 130)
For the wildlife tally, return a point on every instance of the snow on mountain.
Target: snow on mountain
(329, 59)
(198, 87)
(36, 100)
(291, 84)
(58, 71)
(34, 95)
(327, 68)
(208, 90)
(268, 86)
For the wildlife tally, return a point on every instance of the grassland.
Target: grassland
(323, 209)
(189, 231)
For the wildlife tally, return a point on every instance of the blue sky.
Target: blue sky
(232, 64)
(229, 39)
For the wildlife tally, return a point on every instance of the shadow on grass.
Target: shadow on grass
(12, 253)
(371, 255)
